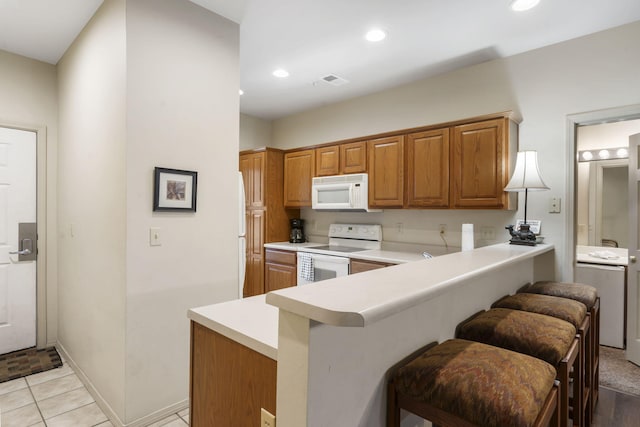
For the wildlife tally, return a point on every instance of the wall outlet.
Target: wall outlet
(554, 205)
(399, 227)
(487, 233)
(442, 228)
(267, 419)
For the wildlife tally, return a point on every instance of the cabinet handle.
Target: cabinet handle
(633, 259)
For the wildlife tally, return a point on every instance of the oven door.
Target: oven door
(324, 267)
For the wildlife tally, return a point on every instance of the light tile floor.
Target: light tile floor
(57, 398)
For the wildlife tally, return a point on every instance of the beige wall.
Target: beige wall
(92, 203)
(29, 100)
(183, 115)
(254, 132)
(148, 83)
(543, 86)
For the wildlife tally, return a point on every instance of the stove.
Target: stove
(316, 263)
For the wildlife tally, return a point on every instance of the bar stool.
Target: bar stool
(587, 295)
(465, 383)
(568, 310)
(544, 337)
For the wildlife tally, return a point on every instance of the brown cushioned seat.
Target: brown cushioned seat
(586, 294)
(571, 311)
(568, 310)
(537, 335)
(482, 384)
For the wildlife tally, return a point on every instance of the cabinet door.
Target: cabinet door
(353, 157)
(279, 276)
(257, 180)
(479, 165)
(386, 160)
(247, 176)
(254, 277)
(328, 161)
(298, 170)
(428, 169)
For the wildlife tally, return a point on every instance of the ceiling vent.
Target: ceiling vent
(334, 80)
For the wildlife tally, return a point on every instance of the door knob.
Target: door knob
(632, 258)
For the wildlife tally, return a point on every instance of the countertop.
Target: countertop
(393, 253)
(582, 255)
(249, 321)
(364, 298)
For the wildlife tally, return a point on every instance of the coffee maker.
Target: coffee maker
(296, 235)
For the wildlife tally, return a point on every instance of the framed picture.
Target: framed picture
(174, 190)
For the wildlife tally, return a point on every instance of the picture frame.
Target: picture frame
(175, 190)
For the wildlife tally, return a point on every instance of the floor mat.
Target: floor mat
(617, 373)
(26, 362)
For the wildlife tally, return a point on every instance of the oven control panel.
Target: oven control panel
(371, 232)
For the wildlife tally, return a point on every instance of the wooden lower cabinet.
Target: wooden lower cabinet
(280, 270)
(360, 265)
(229, 382)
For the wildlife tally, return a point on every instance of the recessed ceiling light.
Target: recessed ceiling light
(521, 5)
(375, 35)
(281, 72)
(241, 92)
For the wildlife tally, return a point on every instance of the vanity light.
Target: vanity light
(375, 35)
(522, 5)
(603, 154)
(281, 73)
(622, 152)
(241, 92)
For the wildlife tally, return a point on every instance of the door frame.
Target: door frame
(42, 270)
(629, 112)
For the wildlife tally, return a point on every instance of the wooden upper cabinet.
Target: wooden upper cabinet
(328, 160)
(253, 172)
(386, 172)
(480, 164)
(353, 157)
(299, 169)
(428, 169)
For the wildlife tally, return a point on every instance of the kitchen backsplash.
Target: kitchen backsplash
(418, 226)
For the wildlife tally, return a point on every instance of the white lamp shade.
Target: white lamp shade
(526, 175)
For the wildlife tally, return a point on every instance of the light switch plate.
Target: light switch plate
(154, 237)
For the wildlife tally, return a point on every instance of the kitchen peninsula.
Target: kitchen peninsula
(336, 339)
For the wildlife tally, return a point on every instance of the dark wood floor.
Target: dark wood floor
(615, 409)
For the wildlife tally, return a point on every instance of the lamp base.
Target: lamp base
(515, 241)
(523, 236)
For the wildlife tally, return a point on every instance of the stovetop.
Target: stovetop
(334, 248)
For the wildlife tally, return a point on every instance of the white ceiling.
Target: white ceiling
(313, 38)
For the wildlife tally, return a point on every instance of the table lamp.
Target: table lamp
(526, 177)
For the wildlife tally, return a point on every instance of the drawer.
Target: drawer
(280, 257)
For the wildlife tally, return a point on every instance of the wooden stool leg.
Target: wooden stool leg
(393, 410)
(563, 377)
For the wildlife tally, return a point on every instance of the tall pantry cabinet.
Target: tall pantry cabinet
(266, 218)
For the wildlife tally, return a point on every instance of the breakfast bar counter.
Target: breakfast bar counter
(326, 347)
(368, 297)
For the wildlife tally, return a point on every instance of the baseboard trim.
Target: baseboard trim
(106, 408)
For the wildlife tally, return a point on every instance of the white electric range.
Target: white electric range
(316, 263)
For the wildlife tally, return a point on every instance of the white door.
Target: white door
(633, 278)
(17, 205)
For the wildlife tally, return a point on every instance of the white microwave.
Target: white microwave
(341, 193)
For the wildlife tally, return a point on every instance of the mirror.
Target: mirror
(602, 201)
